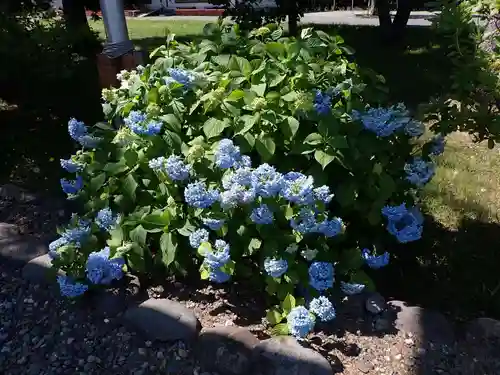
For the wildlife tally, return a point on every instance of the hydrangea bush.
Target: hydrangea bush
(245, 157)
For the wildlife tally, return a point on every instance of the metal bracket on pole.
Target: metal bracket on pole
(115, 25)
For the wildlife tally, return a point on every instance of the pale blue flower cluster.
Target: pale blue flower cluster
(71, 166)
(419, 172)
(72, 187)
(375, 261)
(351, 288)
(182, 76)
(322, 308)
(106, 219)
(414, 128)
(298, 188)
(383, 121)
(300, 322)
(405, 224)
(262, 215)
(100, 269)
(75, 236)
(70, 288)
(79, 132)
(322, 102)
(321, 275)
(173, 166)
(227, 154)
(306, 222)
(275, 267)
(139, 124)
(197, 195)
(437, 145)
(198, 237)
(216, 259)
(323, 194)
(266, 181)
(213, 224)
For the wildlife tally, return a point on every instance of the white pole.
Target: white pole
(115, 25)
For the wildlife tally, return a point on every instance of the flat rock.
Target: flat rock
(375, 303)
(16, 248)
(164, 320)
(285, 356)
(226, 350)
(16, 193)
(39, 270)
(483, 328)
(426, 324)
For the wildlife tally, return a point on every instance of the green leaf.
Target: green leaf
(323, 158)
(204, 249)
(204, 274)
(259, 89)
(97, 182)
(187, 229)
(288, 212)
(254, 245)
(153, 95)
(273, 316)
(241, 65)
(313, 139)
(172, 122)
(275, 49)
(130, 186)
(290, 126)
(131, 157)
(168, 246)
(249, 122)
(138, 235)
(115, 168)
(265, 147)
(280, 330)
(213, 127)
(276, 80)
(158, 218)
(116, 237)
(235, 95)
(338, 142)
(288, 304)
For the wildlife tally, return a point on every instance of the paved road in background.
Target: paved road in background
(355, 18)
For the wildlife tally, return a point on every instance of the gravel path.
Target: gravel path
(42, 334)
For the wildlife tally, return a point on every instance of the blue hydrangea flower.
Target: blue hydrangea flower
(72, 186)
(322, 308)
(102, 270)
(213, 224)
(197, 195)
(237, 194)
(408, 228)
(76, 129)
(227, 154)
(383, 121)
(242, 177)
(55, 245)
(437, 145)
(298, 188)
(375, 261)
(69, 288)
(158, 164)
(78, 235)
(137, 122)
(218, 276)
(275, 267)
(266, 181)
(321, 275)
(168, 80)
(182, 76)
(414, 128)
(300, 322)
(105, 219)
(322, 103)
(395, 212)
(71, 166)
(262, 215)
(176, 169)
(198, 237)
(244, 162)
(323, 194)
(419, 172)
(305, 222)
(330, 228)
(89, 141)
(351, 288)
(220, 257)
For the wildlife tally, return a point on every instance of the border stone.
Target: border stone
(16, 248)
(164, 320)
(39, 270)
(375, 303)
(226, 350)
(284, 355)
(426, 324)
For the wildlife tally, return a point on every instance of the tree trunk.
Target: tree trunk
(384, 17)
(293, 17)
(372, 8)
(401, 19)
(75, 16)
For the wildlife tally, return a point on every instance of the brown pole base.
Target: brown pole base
(109, 67)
